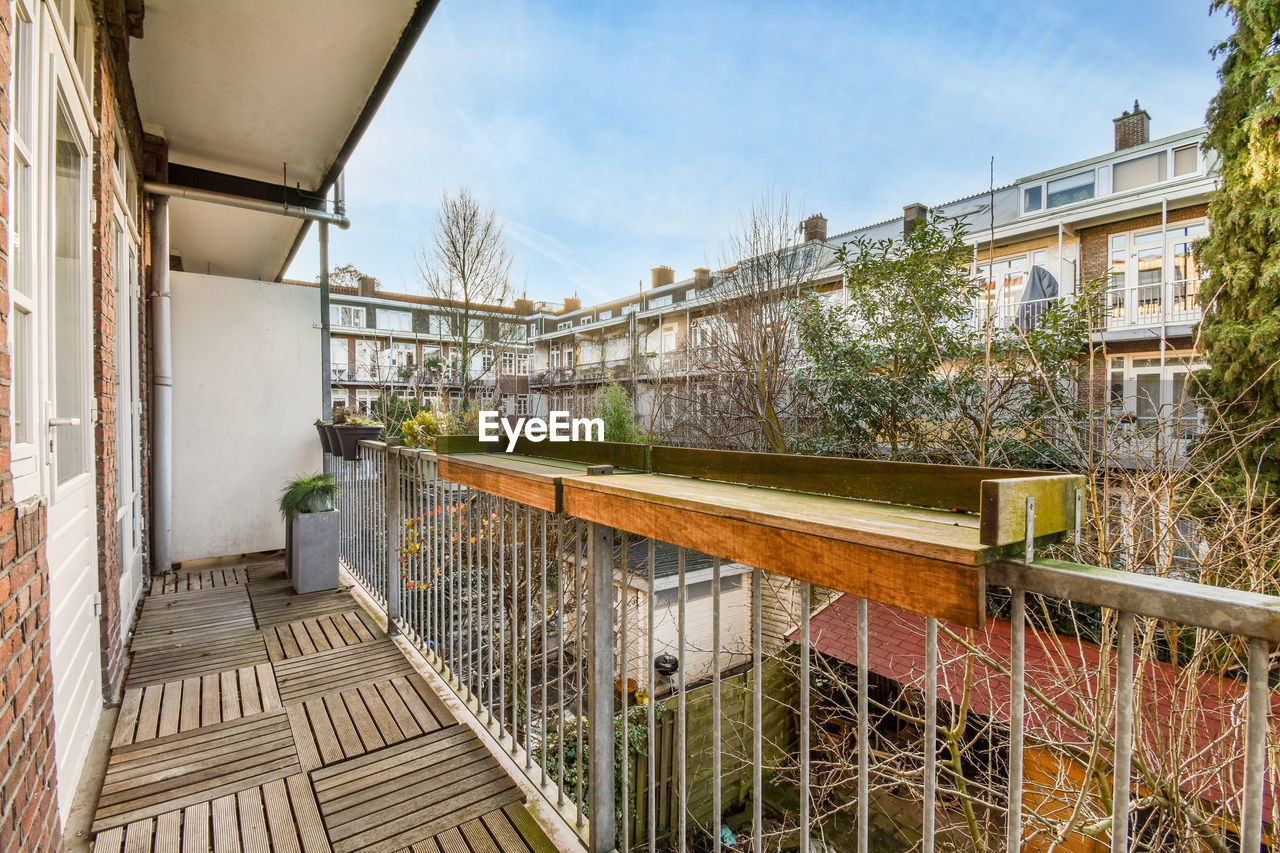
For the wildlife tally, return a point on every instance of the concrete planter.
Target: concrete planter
(313, 551)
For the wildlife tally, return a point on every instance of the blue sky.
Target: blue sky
(611, 138)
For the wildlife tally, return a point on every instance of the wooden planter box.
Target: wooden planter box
(909, 535)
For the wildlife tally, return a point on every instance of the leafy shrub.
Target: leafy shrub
(422, 429)
(314, 493)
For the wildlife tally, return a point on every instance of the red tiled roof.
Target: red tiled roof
(1180, 713)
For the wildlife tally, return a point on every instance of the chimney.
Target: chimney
(913, 215)
(571, 303)
(663, 275)
(1133, 128)
(524, 306)
(815, 228)
(701, 277)
(368, 286)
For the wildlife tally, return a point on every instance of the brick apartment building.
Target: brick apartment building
(1130, 216)
(121, 122)
(383, 342)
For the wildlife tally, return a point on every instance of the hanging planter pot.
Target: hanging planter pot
(325, 442)
(350, 436)
(331, 439)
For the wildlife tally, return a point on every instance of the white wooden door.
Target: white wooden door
(57, 268)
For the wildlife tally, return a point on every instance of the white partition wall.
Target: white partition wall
(246, 393)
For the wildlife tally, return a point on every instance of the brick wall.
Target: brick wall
(28, 793)
(116, 111)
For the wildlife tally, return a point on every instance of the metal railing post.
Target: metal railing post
(394, 528)
(600, 567)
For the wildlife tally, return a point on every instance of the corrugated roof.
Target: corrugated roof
(1187, 717)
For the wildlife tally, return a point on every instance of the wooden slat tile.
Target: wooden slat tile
(152, 777)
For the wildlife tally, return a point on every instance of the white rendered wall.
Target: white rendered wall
(246, 393)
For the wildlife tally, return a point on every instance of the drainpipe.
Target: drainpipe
(326, 367)
(161, 392)
(1164, 286)
(1060, 263)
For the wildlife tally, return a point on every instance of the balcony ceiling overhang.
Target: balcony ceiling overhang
(257, 90)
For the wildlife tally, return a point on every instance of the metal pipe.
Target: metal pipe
(600, 566)
(326, 365)
(624, 590)
(930, 730)
(161, 392)
(651, 779)
(806, 607)
(1255, 749)
(158, 188)
(1124, 736)
(682, 733)
(757, 711)
(395, 523)
(1017, 695)
(716, 797)
(864, 731)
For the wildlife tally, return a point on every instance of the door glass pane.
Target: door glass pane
(21, 376)
(70, 326)
(1148, 398)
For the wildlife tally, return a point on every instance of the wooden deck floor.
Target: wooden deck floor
(257, 720)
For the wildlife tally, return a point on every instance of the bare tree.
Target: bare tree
(747, 347)
(467, 267)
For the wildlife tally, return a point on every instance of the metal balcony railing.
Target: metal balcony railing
(1154, 304)
(1140, 306)
(720, 680)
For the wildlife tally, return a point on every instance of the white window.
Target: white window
(1138, 172)
(554, 358)
(660, 301)
(404, 354)
(522, 404)
(1186, 160)
(346, 316)
(585, 321)
(366, 360)
(508, 363)
(339, 356)
(522, 364)
(632, 308)
(486, 360)
(605, 315)
(567, 324)
(513, 331)
(668, 338)
(77, 25)
(1002, 283)
(475, 330)
(22, 290)
(1033, 198)
(438, 325)
(395, 321)
(1069, 190)
(365, 398)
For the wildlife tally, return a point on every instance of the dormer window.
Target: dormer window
(1032, 198)
(1069, 190)
(1186, 160)
(1139, 172)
